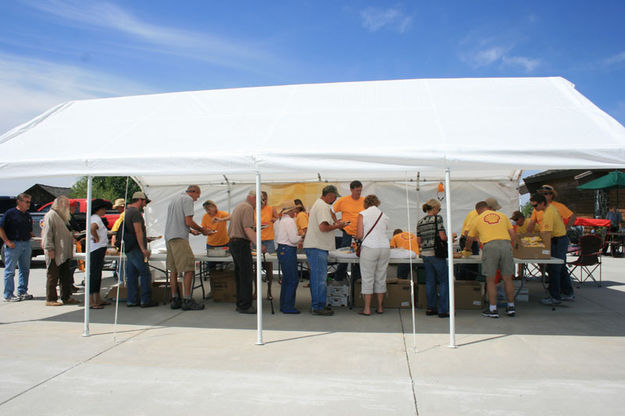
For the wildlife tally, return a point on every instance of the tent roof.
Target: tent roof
(480, 128)
(611, 180)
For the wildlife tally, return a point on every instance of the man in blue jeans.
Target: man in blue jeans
(318, 242)
(137, 254)
(16, 230)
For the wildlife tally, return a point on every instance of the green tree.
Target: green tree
(526, 209)
(105, 187)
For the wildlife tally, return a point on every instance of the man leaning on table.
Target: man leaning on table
(494, 230)
(560, 287)
(318, 242)
(180, 257)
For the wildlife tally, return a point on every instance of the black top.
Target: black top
(426, 229)
(132, 216)
(17, 224)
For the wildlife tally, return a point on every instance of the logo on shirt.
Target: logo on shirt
(491, 218)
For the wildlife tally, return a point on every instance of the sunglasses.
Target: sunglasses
(534, 205)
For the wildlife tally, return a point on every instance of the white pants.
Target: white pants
(373, 265)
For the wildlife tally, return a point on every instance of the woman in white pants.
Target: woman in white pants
(373, 229)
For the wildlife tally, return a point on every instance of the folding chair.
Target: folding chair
(589, 260)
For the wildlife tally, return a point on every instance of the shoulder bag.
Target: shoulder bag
(359, 242)
(440, 246)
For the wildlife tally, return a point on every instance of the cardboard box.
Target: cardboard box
(532, 245)
(469, 294)
(223, 286)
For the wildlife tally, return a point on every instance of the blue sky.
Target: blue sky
(53, 51)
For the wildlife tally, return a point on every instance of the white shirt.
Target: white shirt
(378, 238)
(103, 240)
(286, 231)
(315, 238)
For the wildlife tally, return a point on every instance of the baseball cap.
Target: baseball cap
(492, 203)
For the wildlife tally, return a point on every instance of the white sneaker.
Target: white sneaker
(26, 296)
(13, 299)
(550, 301)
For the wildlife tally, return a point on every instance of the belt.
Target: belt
(239, 239)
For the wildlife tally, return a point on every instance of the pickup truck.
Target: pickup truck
(80, 215)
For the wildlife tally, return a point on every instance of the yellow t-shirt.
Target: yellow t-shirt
(118, 222)
(565, 214)
(552, 221)
(406, 241)
(522, 229)
(266, 218)
(301, 220)
(220, 238)
(489, 226)
(349, 209)
(466, 225)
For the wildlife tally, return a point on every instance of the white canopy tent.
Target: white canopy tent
(466, 129)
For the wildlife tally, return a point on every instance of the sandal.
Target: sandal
(365, 314)
(104, 303)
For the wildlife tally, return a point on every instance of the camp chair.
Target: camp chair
(589, 260)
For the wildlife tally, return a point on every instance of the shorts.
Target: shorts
(180, 258)
(271, 247)
(497, 254)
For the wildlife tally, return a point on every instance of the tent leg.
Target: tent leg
(450, 265)
(259, 281)
(87, 256)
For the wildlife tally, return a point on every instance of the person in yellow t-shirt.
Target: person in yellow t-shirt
(349, 206)
(560, 287)
(568, 216)
(216, 221)
(494, 230)
(520, 222)
(407, 241)
(301, 218)
(268, 215)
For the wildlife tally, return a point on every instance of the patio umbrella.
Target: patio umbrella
(614, 179)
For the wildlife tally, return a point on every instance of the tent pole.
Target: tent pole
(87, 256)
(259, 281)
(412, 299)
(450, 265)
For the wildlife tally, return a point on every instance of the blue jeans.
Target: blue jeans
(318, 261)
(559, 279)
(137, 267)
(287, 256)
(436, 271)
(341, 269)
(16, 257)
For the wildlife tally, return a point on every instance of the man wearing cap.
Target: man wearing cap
(137, 253)
(16, 230)
(349, 206)
(287, 238)
(242, 238)
(568, 216)
(495, 232)
(180, 257)
(318, 242)
(560, 287)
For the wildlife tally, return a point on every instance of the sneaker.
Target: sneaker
(13, 299)
(510, 311)
(53, 303)
(490, 314)
(150, 304)
(175, 303)
(567, 298)
(550, 301)
(251, 310)
(71, 301)
(323, 312)
(191, 305)
(26, 296)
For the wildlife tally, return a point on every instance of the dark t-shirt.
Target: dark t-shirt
(132, 216)
(427, 228)
(17, 224)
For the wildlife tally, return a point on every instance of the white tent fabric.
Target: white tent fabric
(479, 128)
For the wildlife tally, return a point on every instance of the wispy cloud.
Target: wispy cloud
(374, 19)
(483, 51)
(32, 86)
(613, 60)
(155, 35)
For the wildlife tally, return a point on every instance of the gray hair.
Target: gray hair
(61, 206)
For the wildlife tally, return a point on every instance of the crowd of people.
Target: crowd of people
(285, 228)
